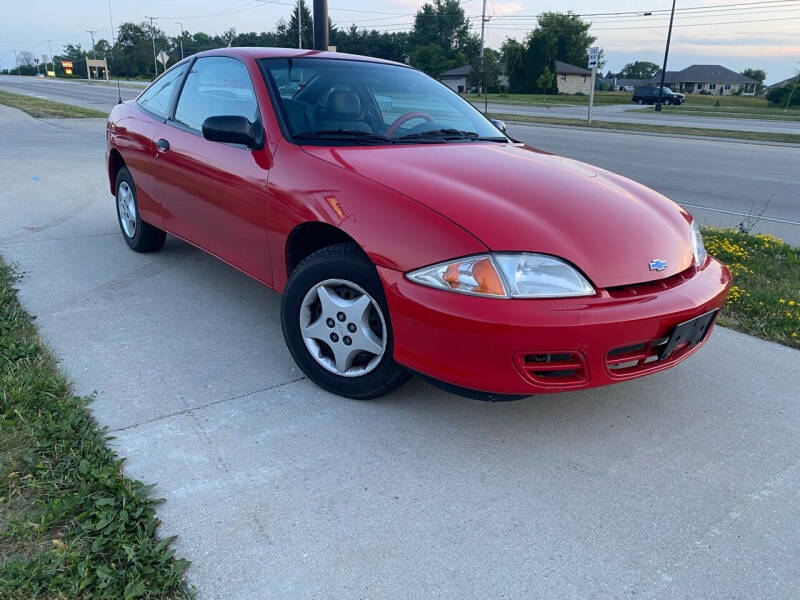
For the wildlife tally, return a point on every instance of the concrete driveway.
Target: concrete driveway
(680, 485)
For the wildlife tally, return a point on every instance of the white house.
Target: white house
(572, 79)
(456, 79)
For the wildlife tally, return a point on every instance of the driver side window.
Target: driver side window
(216, 86)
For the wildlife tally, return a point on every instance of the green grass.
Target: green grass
(46, 109)
(698, 104)
(764, 136)
(553, 100)
(71, 524)
(765, 297)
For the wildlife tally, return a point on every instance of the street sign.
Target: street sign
(594, 56)
(162, 57)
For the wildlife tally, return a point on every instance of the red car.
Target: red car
(406, 231)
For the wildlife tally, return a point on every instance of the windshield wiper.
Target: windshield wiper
(345, 135)
(449, 134)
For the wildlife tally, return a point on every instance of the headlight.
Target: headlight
(522, 275)
(697, 246)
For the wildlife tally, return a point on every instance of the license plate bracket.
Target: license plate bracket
(690, 332)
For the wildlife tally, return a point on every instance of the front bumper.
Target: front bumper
(524, 346)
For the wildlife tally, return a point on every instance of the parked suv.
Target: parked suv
(648, 94)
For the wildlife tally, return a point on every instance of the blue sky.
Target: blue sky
(760, 34)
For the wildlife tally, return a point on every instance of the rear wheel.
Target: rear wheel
(140, 236)
(639, 101)
(336, 324)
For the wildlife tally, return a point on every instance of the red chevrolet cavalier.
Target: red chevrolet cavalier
(406, 231)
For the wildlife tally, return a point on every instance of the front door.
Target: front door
(214, 194)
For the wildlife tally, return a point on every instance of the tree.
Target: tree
(759, 75)
(442, 24)
(289, 30)
(547, 82)
(559, 36)
(513, 54)
(787, 95)
(641, 69)
(485, 73)
(391, 46)
(26, 59)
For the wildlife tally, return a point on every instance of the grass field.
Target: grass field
(763, 136)
(46, 109)
(699, 105)
(71, 524)
(765, 297)
(549, 100)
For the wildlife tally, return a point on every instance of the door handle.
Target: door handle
(162, 145)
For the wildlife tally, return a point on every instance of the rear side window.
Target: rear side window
(157, 97)
(216, 86)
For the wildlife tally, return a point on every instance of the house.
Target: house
(780, 84)
(713, 79)
(456, 79)
(572, 79)
(618, 84)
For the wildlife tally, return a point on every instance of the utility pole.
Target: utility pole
(483, 70)
(91, 32)
(181, 24)
(52, 58)
(300, 24)
(153, 35)
(666, 56)
(16, 61)
(111, 22)
(321, 25)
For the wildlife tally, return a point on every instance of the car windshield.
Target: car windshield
(347, 102)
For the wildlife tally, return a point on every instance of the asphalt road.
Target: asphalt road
(680, 485)
(98, 96)
(623, 113)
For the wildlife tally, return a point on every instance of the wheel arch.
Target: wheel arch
(115, 163)
(310, 236)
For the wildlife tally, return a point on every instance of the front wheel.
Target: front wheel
(639, 101)
(336, 324)
(140, 236)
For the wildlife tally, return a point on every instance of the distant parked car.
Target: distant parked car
(648, 94)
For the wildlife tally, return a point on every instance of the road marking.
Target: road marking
(740, 214)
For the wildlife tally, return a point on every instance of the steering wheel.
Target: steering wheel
(405, 118)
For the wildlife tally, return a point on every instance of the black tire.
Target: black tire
(639, 101)
(145, 238)
(667, 101)
(347, 262)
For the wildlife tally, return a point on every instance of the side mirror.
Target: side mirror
(499, 124)
(234, 130)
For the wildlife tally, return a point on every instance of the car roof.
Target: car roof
(261, 52)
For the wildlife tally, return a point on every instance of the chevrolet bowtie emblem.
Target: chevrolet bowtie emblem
(657, 264)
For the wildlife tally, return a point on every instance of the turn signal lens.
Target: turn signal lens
(507, 275)
(475, 275)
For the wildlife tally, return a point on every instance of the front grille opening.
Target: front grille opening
(554, 369)
(650, 287)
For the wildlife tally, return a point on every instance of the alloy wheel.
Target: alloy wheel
(127, 209)
(343, 328)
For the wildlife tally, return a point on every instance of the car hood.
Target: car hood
(515, 198)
